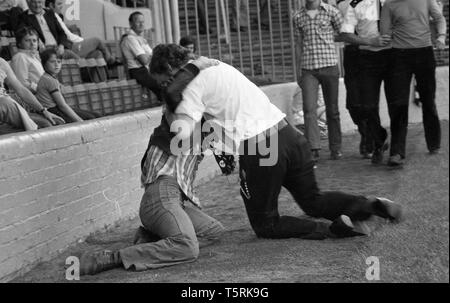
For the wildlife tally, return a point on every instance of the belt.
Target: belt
(272, 130)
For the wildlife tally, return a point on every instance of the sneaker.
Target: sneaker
(94, 263)
(396, 161)
(335, 155)
(343, 227)
(378, 153)
(387, 209)
(435, 151)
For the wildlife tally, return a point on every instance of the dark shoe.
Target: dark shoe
(387, 209)
(367, 155)
(94, 263)
(378, 153)
(435, 151)
(315, 155)
(335, 155)
(396, 161)
(144, 236)
(343, 227)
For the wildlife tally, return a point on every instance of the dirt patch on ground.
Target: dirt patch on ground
(415, 250)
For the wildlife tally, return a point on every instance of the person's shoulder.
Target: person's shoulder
(331, 8)
(298, 13)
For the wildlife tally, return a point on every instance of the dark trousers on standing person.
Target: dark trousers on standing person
(143, 77)
(294, 170)
(353, 97)
(405, 63)
(374, 69)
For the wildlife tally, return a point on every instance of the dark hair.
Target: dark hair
(131, 18)
(47, 54)
(168, 56)
(22, 32)
(187, 40)
(48, 2)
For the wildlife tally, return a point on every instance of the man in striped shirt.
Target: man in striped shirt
(174, 224)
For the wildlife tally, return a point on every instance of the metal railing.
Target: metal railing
(131, 3)
(265, 49)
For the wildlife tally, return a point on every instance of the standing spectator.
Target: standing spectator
(363, 17)
(14, 115)
(408, 21)
(138, 53)
(49, 91)
(239, 15)
(44, 22)
(315, 26)
(353, 92)
(26, 63)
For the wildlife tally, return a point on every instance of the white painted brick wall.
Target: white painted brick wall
(61, 184)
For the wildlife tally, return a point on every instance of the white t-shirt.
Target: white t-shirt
(228, 99)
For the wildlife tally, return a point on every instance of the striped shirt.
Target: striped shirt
(317, 35)
(182, 167)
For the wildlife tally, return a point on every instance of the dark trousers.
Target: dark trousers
(353, 96)
(261, 185)
(405, 63)
(143, 77)
(374, 70)
(84, 114)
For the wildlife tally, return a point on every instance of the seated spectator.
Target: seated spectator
(188, 42)
(44, 22)
(49, 91)
(10, 11)
(84, 47)
(26, 63)
(13, 117)
(138, 53)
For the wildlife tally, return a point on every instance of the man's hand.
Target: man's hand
(204, 62)
(54, 119)
(382, 40)
(60, 50)
(440, 42)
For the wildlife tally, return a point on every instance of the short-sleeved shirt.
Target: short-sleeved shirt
(363, 17)
(134, 45)
(47, 85)
(317, 34)
(228, 100)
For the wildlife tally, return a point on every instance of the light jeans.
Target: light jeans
(328, 78)
(179, 225)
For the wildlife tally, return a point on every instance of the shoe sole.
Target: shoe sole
(388, 209)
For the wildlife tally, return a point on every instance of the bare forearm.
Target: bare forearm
(66, 109)
(29, 98)
(354, 39)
